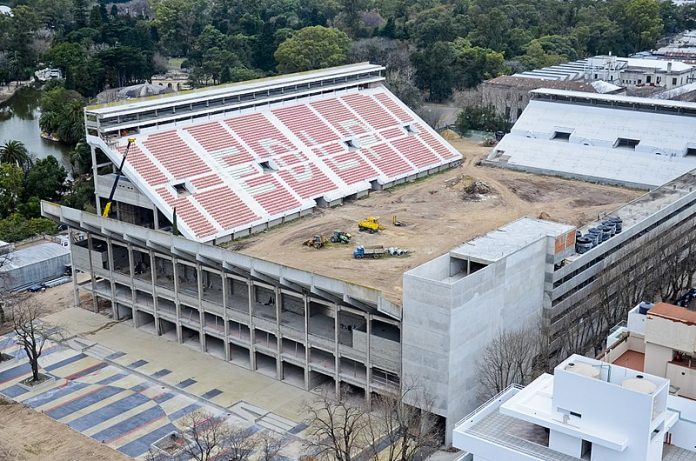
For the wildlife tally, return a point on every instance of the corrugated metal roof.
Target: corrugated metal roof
(34, 254)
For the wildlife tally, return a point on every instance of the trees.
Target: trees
(61, 114)
(11, 188)
(46, 179)
(508, 359)
(473, 65)
(178, 22)
(434, 70)
(404, 423)
(312, 47)
(31, 333)
(15, 152)
(641, 23)
(336, 427)
(206, 437)
(269, 446)
(483, 118)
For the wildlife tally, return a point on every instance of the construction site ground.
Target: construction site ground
(27, 435)
(439, 215)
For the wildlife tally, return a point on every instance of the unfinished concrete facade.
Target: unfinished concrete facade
(528, 272)
(297, 327)
(309, 329)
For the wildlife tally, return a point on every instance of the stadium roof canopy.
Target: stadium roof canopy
(228, 167)
(615, 139)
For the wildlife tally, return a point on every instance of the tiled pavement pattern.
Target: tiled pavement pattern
(116, 406)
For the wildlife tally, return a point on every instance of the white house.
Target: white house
(589, 410)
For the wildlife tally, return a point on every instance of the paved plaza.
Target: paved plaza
(126, 406)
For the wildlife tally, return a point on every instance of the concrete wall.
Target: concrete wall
(448, 321)
(683, 433)
(656, 358)
(675, 335)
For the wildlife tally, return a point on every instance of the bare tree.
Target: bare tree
(408, 430)
(336, 427)
(32, 334)
(269, 446)
(509, 358)
(211, 436)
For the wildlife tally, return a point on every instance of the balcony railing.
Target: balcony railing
(488, 402)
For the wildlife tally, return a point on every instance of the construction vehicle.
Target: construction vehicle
(377, 251)
(107, 208)
(317, 241)
(396, 222)
(340, 237)
(370, 224)
(374, 252)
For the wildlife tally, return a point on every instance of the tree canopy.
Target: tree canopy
(313, 47)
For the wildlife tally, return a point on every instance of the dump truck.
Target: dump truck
(317, 241)
(361, 251)
(340, 237)
(370, 224)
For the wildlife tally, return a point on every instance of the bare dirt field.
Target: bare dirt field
(439, 214)
(27, 435)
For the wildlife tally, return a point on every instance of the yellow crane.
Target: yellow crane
(107, 208)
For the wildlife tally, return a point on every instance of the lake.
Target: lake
(19, 120)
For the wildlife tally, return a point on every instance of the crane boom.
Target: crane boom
(107, 208)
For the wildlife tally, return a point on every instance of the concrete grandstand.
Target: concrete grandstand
(321, 319)
(279, 147)
(637, 142)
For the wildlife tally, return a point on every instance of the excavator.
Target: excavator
(107, 208)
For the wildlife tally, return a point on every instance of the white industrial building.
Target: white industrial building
(589, 410)
(638, 142)
(36, 263)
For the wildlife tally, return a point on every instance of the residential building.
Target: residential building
(659, 339)
(587, 410)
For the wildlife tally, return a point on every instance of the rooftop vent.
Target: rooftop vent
(181, 188)
(561, 136)
(266, 167)
(626, 143)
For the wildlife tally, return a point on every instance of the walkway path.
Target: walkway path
(129, 401)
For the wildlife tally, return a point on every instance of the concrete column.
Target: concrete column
(90, 247)
(131, 272)
(155, 217)
(175, 272)
(368, 367)
(95, 176)
(76, 289)
(153, 275)
(252, 333)
(201, 314)
(225, 316)
(110, 255)
(305, 298)
(368, 360)
(279, 339)
(337, 360)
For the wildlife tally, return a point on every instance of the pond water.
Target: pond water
(19, 120)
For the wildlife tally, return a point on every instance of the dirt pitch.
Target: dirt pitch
(439, 215)
(27, 435)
